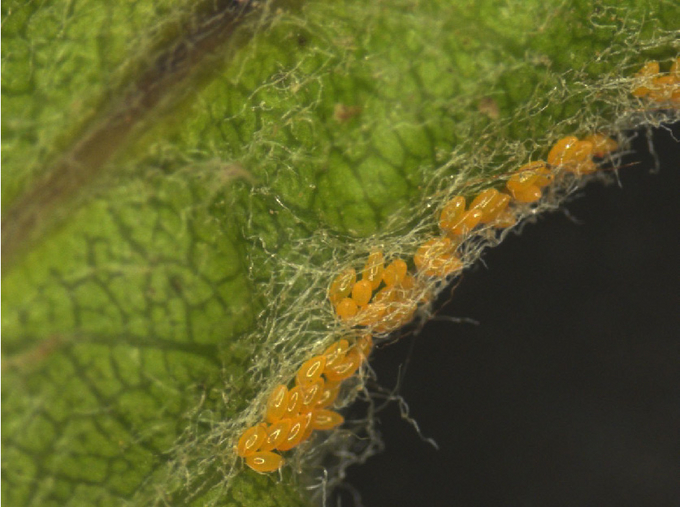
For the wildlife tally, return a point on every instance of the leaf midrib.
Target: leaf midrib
(86, 159)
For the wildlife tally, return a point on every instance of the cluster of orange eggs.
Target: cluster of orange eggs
(386, 297)
(659, 87)
(292, 415)
(383, 299)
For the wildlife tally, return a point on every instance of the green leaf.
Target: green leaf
(182, 180)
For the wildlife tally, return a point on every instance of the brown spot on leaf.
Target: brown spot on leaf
(343, 113)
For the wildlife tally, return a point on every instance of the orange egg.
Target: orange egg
(336, 352)
(385, 295)
(561, 152)
(484, 199)
(644, 76)
(329, 394)
(582, 151)
(662, 88)
(276, 433)
(347, 309)
(310, 371)
(602, 144)
(395, 272)
(400, 314)
(342, 285)
(326, 419)
(277, 404)
(527, 176)
(408, 283)
(308, 432)
(311, 394)
(294, 402)
(413, 289)
(362, 292)
(345, 368)
(373, 270)
(308, 425)
(298, 426)
(575, 158)
(265, 462)
(498, 208)
(529, 195)
(451, 213)
(522, 186)
(544, 176)
(649, 69)
(491, 203)
(251, 440)
(467, 221)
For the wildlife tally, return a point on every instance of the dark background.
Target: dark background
(568, 390)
